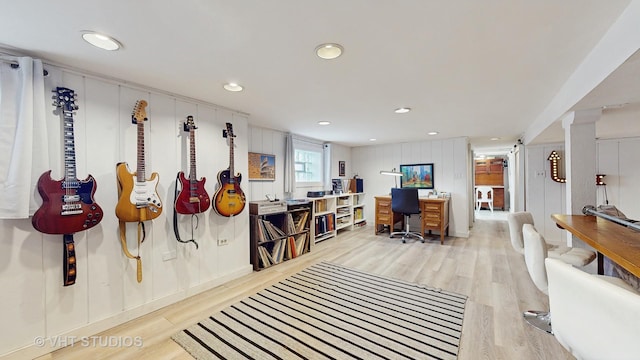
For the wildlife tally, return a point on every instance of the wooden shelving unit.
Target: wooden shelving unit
(281, 236)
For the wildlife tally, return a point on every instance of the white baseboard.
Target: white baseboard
(56, 342)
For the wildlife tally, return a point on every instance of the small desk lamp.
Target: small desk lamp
(393, 173)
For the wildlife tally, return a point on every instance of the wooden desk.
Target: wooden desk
(617, 242)
(434, 215)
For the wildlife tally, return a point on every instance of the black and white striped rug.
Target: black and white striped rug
(328, 311)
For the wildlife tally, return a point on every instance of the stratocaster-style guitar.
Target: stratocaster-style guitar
(229, 198)
(193, 198)
(138, 200)
(67, 205)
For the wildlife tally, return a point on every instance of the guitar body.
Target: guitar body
(193, 198)
(138, 201)
(67, 207)
(229, 198)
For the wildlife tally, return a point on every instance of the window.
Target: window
(308, 163)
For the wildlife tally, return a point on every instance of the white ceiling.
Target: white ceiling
(471, 68)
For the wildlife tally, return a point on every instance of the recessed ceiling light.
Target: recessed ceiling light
(432, 133)
(324, 122)
(402, 110)
(329, 51)
(232, 87)
(372, 139)
(494, 139)
(101, 41)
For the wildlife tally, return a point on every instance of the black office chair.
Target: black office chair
(406, 202)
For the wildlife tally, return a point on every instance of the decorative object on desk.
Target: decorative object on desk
(341, 168)
(554, 158)
(430, 327)
(419, 176)
(262, 167)
(394, 173)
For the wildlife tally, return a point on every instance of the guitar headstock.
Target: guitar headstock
(189, 124)
(65, 99)
(229, 132)
(139, 112)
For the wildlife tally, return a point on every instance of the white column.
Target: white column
(580, 162)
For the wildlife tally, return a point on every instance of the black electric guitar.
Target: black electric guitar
(193, 197)
(229, 198)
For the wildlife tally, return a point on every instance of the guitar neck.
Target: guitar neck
(69, 148)
(140, 174)
(192, 156)
(231, 173)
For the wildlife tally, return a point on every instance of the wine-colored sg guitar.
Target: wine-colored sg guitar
(229, 198)
(193, 198)
(67, 205)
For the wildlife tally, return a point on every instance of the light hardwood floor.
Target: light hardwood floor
(484, 267)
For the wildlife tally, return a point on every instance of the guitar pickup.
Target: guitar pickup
(71, 206)
(70, 198)
(194, 199)
(71, 212)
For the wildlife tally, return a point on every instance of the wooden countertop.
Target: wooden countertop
(619, 243)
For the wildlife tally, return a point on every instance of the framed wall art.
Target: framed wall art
(262, 167)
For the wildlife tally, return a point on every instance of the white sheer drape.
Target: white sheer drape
(289, 168)
(23, 136)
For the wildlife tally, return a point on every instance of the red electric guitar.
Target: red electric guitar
(193, 198)
(229, 198)
(67, 205)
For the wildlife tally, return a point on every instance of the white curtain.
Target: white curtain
(289, 168)
(23, 136)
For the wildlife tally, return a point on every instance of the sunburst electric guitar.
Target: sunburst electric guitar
(229, 198)
(139, 200)
(67, 205)
(193, 198)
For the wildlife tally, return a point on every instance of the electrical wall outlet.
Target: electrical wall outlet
(169, 255)
(223, 242)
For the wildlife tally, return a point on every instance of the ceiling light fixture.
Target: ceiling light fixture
(101, 41)
(233, 87)
(323, 123)
(329, 51)
(432, 133)
(494, 139)
(402, 110)
(373, 139)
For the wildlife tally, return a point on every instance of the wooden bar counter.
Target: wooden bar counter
(617, 242)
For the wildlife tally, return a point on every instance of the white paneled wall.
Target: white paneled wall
(618, 160)
(543, 195)
(451, 162)
(266, 141)
(106, 292)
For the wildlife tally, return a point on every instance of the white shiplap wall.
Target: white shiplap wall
(106, 292)
(451, 162)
